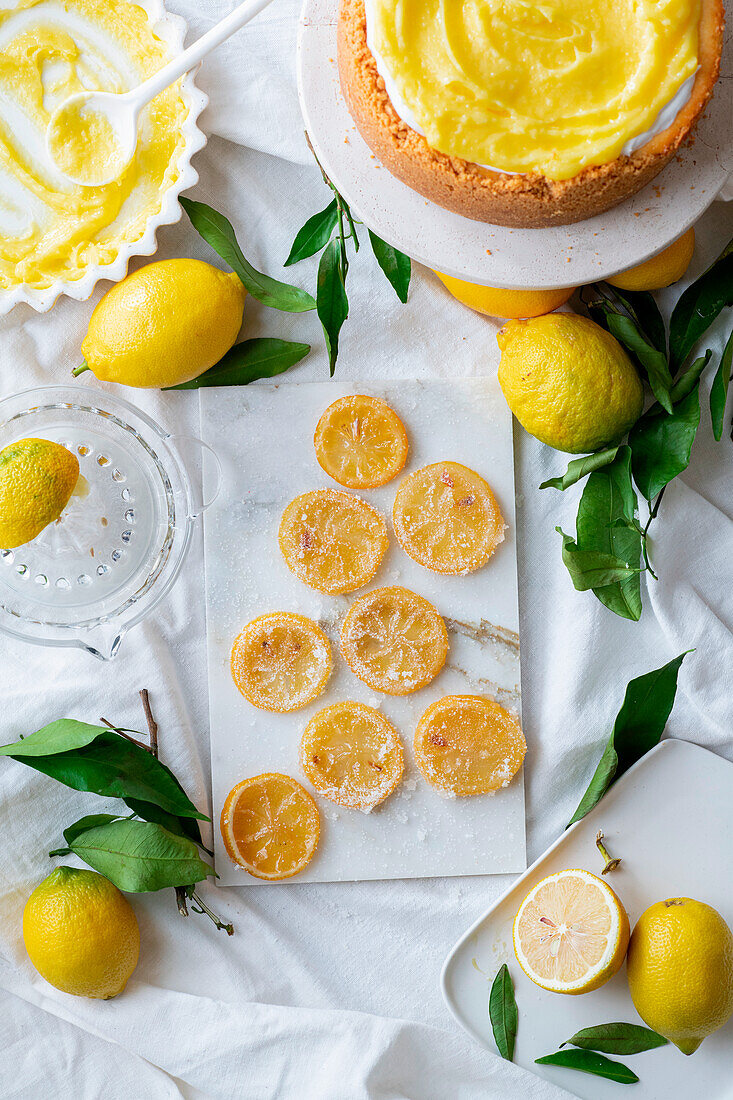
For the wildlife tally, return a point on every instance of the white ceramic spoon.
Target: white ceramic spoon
(121, 112)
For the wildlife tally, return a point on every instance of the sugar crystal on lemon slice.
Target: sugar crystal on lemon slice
(394, 640)
(281, 661)
(571, 932)
(333, 541)
(352, 755)
(466, 745)
(360, 442)
(270, 826)
(447, 519)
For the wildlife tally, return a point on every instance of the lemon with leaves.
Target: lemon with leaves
(37, 478)
(680, 970)
(568, 381)
(163, 325)
(81, 933)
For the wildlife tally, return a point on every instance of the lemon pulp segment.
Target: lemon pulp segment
(394, 640)
(50, 50)
(270, 826)
(352, 755)
(281, 661)
(526, 86)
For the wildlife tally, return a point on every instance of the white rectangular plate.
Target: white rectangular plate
(670, 819)
(264, 437)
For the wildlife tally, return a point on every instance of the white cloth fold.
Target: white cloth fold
(327, 991)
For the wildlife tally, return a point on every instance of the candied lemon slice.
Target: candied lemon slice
(466, 744)
(332, 541)
(281, 661)
(361, 442)
(446, 518)
(270, 826)
(352, 755)
(394, 640)
(571, 932)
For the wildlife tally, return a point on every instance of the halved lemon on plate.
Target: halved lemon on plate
(270, 826)
(281, 661)
(571, 932)
(467, 744)
(333, 541)
(352, 755)
(394, 640)
(361, 442)
(447, 518)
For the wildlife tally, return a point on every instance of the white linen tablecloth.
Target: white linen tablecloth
(327, 991)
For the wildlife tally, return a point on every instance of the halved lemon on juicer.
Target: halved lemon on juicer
(332, 541)
(281, 661)
(571, 932)
(352, 755)
(447, 519)
(270, 826)
(361, 442)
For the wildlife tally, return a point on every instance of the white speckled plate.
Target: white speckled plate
(415, 832)
(489, 254)
(669, 818)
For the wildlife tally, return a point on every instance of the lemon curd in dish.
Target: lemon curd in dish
(528, 113)
(50, 228)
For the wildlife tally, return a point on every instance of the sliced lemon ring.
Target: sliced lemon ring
(352, 755)
(333, 541)
(466, 745)
(394, 640)
(281, 661)
(361, 442)
(270, 826)
(571, 932)
(447, 519)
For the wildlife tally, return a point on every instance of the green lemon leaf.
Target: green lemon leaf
(686, 383)
(503, 1013)
(112, 766)
(719, 390)
(314, 235)
(653, 361)
(139, 856)
(661, 444)
(589, 569)
(57, 737)
(395, 265)
(261, 357)
(608, 497)
(638, 728)
(180, 826)
(644, 309)
(699, 306)
(90, 821)
(586, 1061)
(331, 301)
(579, 467)
(217, 231)
(618, 1038)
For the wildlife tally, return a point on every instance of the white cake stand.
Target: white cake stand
(490, 254)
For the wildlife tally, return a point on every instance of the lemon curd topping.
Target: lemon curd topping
(83, 143)
(51, 228)
(551, 86)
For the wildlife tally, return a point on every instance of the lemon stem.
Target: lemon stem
(611, 864)
(81, 368)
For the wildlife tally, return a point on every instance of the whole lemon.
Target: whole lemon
(568, 381)
(497, 302)
(81, 933)
(164, 325)
(680, 970)
(37, 478)
(662, 270)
